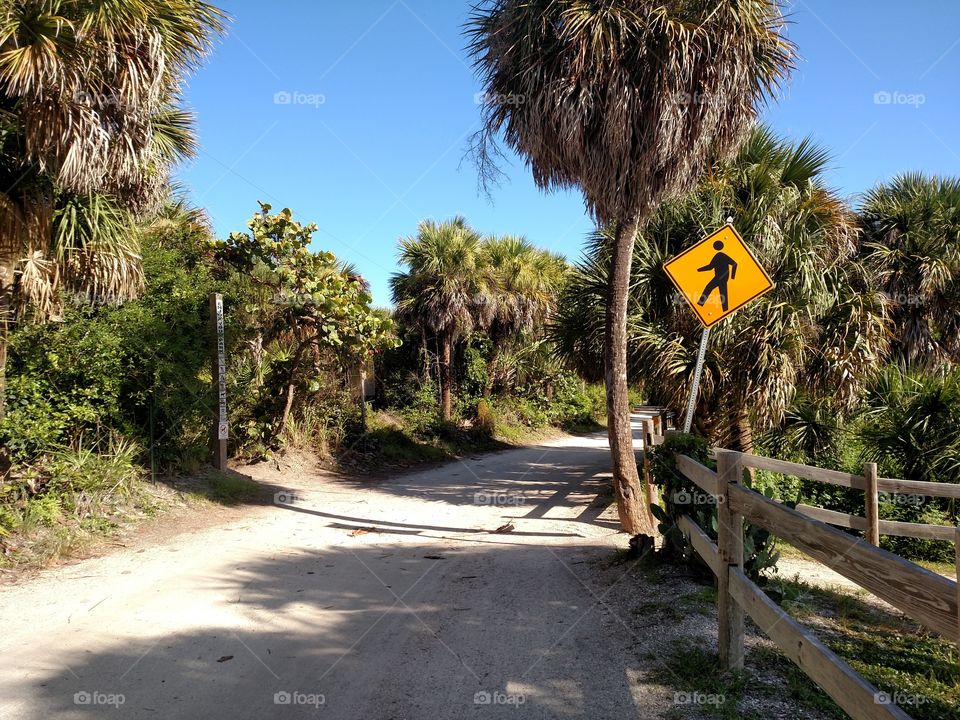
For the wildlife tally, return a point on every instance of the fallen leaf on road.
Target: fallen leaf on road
(365, 530)
(434, 557)
(509, 527)
(225, 658)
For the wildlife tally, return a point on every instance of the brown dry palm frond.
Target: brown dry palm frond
(822, 331)
(87, 81)
(91, 127)
(628, 100)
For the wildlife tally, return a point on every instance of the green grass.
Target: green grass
(228, 489)
(695, 677)
(919, 670)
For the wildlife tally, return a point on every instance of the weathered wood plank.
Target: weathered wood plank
(833, 477)
(872, 509)
(887, 527)
(917, 530)
(850, 691)
(833, 517)
(926, 597)
(702, 477)
(701, 543)
(918, 487)
(730, 545)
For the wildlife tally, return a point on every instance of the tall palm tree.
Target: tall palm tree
(912, 241)
(821, 330)
(89, 126)
(445, 289)
(628, 100)
(526, 281)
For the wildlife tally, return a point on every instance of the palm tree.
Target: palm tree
(630, 101)
(912, 241)
(89, 126)
(445, 289)
(526, 281)
(822, 330)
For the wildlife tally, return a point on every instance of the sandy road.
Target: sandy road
(290, 613)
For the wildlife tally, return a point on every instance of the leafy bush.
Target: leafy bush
(683, 497)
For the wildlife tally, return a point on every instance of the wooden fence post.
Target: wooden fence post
(730, 544)
(220, 430)
(652, 497)
(871, 501)
(956, 544)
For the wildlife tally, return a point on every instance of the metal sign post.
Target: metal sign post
(695, 389)
(715, 276)
(222, 429)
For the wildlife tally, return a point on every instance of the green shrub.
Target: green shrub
(683, 497)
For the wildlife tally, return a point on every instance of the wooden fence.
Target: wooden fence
(928, 598)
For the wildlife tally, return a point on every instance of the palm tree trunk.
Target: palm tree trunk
(631, 506)
(491, 370)
(743, 430)
(446, 377)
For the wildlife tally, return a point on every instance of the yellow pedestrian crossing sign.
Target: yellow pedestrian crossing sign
(718, 275)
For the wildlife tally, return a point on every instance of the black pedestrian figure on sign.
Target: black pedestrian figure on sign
(724, 269)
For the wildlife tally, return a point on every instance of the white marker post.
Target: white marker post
(219, 364)
(695, 389)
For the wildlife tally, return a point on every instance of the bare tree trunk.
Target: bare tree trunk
(631, 502)
(426, 356)
(446, 374)
(6, 312)
(491, 370)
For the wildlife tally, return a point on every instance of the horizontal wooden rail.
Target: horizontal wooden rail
(919, 487)
(702, 543)
(887, 527)
(850, 691)
(703, 477)
(833, 477)
(928, 598)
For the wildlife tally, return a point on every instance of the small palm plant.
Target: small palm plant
(445, 290)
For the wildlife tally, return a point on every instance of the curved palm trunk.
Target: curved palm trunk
(743, 431)
(631, 505)
(446, 377)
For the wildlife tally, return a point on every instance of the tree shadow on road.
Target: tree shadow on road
(374, 631)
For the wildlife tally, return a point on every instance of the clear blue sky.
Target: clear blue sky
(381, 105)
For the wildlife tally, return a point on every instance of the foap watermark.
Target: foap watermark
(684, 497)
(295, 97)
(895, 97)
(286, 497)
(96, 697)
(903, 298)
(698, 698)
(499, 499)
(901, 499)
(694, 98)
(295, 697)
(495, 697)
(899, 698)
(489, 98)
(100, 100)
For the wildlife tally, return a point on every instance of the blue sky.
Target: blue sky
(357, 116)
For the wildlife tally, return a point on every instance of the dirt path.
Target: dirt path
(391, 600)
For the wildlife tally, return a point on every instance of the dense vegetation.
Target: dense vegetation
(834, 367)
(106, 276)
